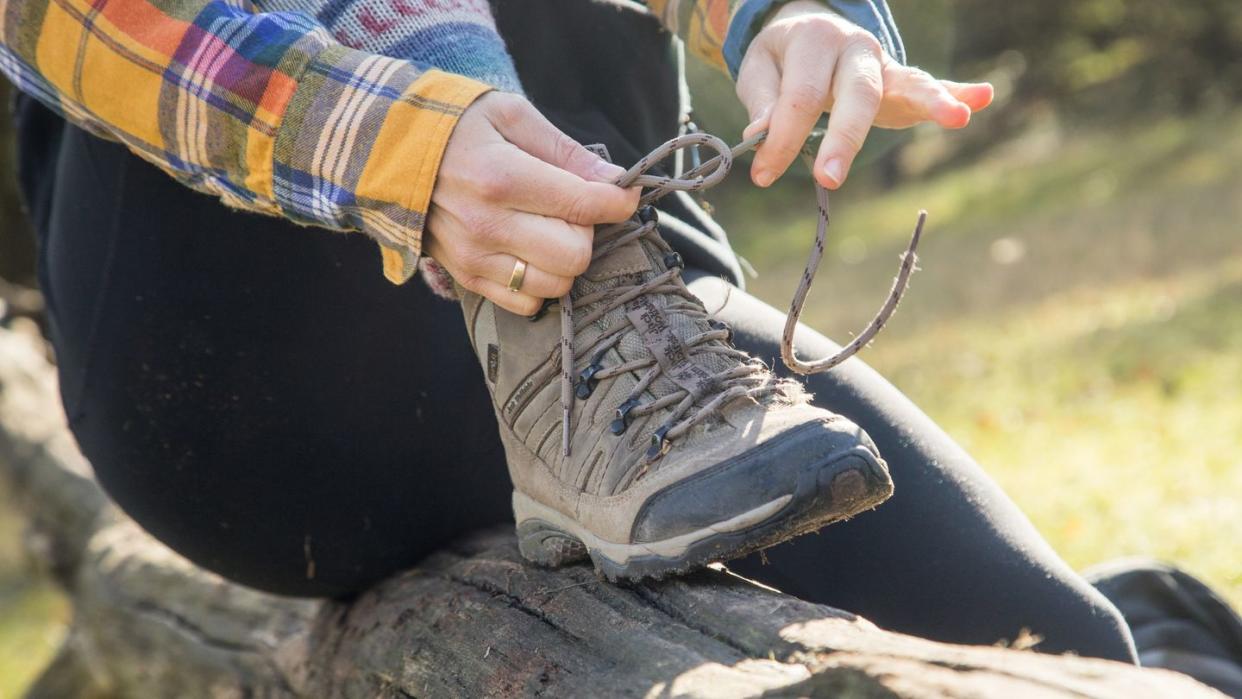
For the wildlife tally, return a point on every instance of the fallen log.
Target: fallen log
(473, 620)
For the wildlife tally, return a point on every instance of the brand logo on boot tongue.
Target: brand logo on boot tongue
(669, 351)
(651, 318)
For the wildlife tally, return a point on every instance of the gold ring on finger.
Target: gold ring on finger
(518, 276)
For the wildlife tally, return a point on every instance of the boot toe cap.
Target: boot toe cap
(828, 468)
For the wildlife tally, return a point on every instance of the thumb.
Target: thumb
(521, 124)
(758, 88)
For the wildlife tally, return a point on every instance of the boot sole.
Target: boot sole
(824, 494)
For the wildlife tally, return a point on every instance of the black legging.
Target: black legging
(255, 394)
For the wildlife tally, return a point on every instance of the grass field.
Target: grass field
(1077, 326)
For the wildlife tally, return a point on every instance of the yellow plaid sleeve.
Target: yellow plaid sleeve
(702, 24)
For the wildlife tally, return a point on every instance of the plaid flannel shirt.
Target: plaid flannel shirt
(267, 110)
(264, 110)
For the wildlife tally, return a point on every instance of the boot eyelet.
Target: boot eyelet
(537, 315)
(673, 261)
(586, 381)
(648, 214)
(586, 377)
(721, 325)
(659, 444)
(622, 422)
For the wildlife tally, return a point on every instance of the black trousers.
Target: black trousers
(253, 393)
(247, 390)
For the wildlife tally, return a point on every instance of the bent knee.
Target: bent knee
(1091, 627)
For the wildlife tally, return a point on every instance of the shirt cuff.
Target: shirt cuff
(872, 15)
(360, 144)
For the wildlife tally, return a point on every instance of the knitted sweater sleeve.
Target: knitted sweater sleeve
(719, 31)
(455, 36)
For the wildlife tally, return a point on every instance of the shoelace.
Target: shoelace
(751, 377)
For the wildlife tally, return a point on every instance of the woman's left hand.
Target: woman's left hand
(808, 60)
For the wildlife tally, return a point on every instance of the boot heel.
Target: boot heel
(545, 545)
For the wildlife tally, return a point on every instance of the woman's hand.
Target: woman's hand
(512, 185)
(808, 60)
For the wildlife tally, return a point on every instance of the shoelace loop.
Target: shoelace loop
(734, 383)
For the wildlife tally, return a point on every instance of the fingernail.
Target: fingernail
(763, 178)
(607, 171)
(835, 170)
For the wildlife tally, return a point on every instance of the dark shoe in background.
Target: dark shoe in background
(1178, 622)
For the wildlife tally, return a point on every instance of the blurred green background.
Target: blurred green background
(1077, 321)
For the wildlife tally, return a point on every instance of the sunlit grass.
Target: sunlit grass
(1048, 173)
(1114, 418)
(1077, 326)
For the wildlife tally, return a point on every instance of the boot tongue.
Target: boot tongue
(628, 259)
(657, 331)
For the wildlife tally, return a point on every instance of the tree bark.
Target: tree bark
(473, 620)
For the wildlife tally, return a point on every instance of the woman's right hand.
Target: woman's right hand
(511, 185)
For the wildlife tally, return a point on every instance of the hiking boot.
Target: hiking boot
(661, 447)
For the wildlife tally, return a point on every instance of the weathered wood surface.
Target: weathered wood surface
(471, 621)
